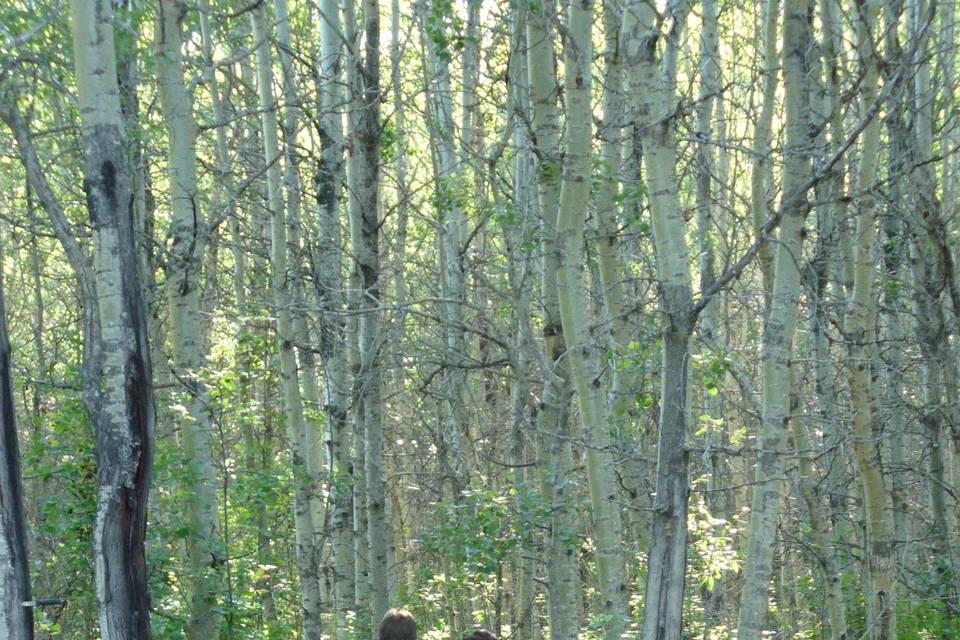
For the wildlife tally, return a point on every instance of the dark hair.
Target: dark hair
(480, 634)
(398, 624)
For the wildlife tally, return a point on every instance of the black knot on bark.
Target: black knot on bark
(108, 182)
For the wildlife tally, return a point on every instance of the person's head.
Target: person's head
(397, 624)
(480, 634)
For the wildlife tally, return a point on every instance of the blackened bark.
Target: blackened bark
(667, 558)
(124, 422)
(16, 621)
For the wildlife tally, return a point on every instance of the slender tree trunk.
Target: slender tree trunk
(829, 454)
(226, 202)
(123, 411)
(779, 330)
(41, 359)
(932, 277)
(188, 234)
(557, 477)
(624, 374)
(520, 280)
(328, 278)
(620, 312)
(653, 82)
(289, 380)
(365, 242)
(314, 454)
(821, 526)
(829, 274)
(860, 323)
(709, 95)
(574, 315)
(760, 169)
(452, 194)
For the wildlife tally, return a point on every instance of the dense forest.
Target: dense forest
(567, 320)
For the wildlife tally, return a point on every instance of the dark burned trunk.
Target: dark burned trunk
(666, 563)
(124, 413)
(16, 621)
(122, 404)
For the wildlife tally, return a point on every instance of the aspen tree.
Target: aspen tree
(226, 201)
(653, 80)
(328, 280)
(451, 198)
(468, 99)
(188, 233)
(779, 329)
(931, 270)
(520, 280)
(582, 350)
(610, 135)
(39, 353)
(831, 272)
(123, 409)
(129, 59)
(558, 484)
(821, 527)
(354, 168)
(760, 169)
(706, 166)
(949, 170)
(620, 312)
(289, 380)
(314, 454)
(894, 251)
(395, 506)
(947, 39)
(813, 456)
(859, 325)
(363, 176)
(609, 261)
(451, 193)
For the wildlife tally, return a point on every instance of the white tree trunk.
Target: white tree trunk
(653, 84)
(365, 243)
(558, 477)
(859, 325)
(289, 380)
(188, 233)
(582, 349)
(760, 169)
(778, 331)
(328, 278)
